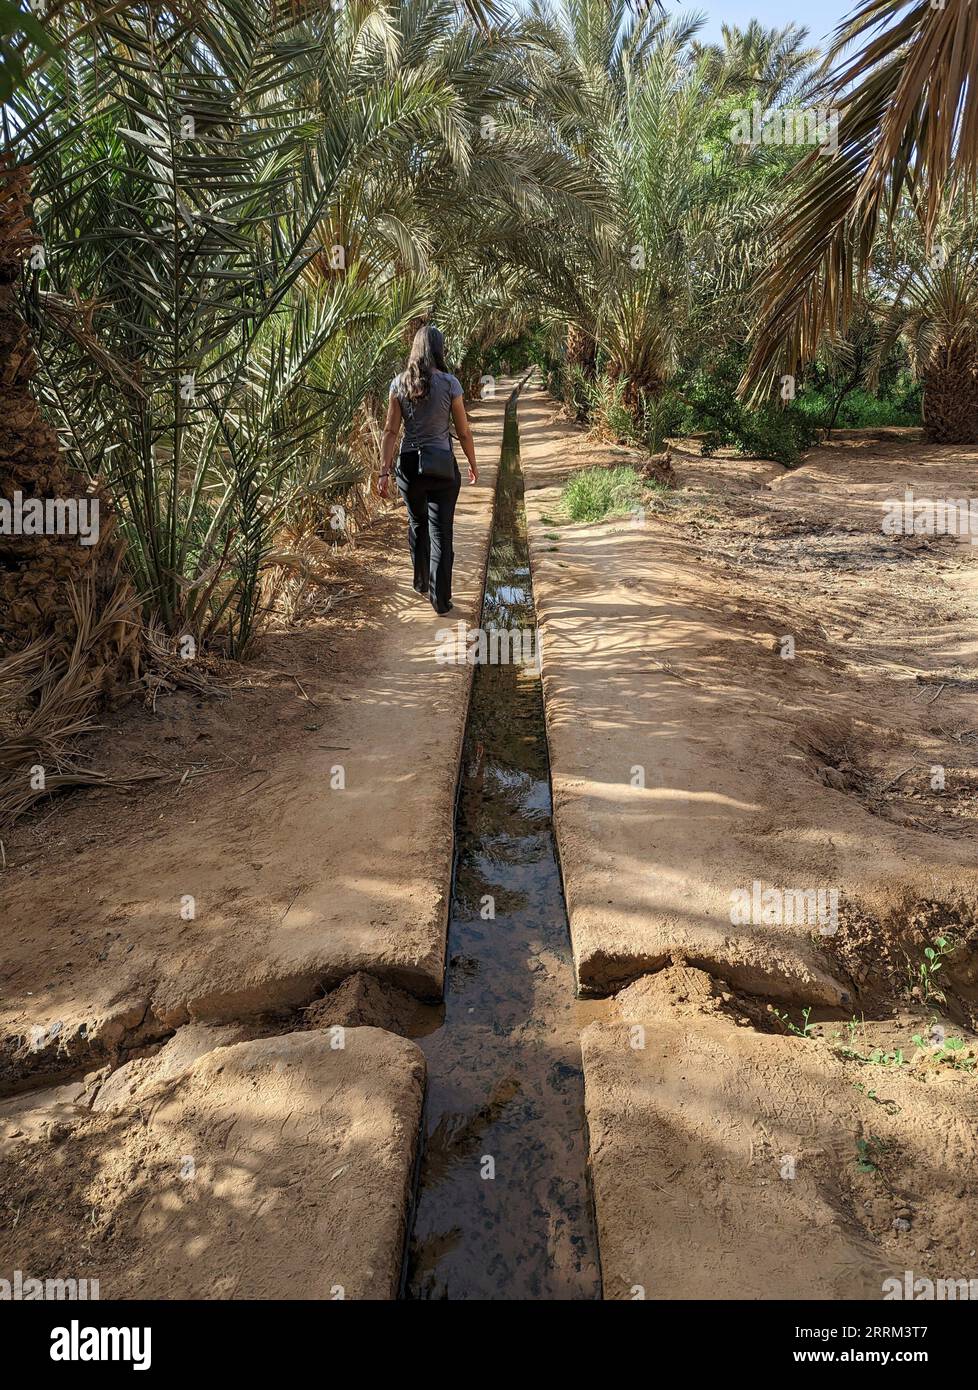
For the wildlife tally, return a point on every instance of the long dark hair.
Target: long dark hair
(427, 355)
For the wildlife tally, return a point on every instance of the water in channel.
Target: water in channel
(504, 1207)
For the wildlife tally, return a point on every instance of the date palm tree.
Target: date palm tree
(237, 210)
(778, 64)
(671, 257)
(908, 123)
(928, 301)
(249, 206)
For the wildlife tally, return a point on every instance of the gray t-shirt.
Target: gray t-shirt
(427, 421)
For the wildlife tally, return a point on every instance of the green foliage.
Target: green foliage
(514, 355)
(779, 433)
(206, 359)
(890, 1106)
(775, 430)
(870, 1154)
(954, 1051)
(236, 358)
(253, 274)
(786, 1021)
(861, 409)
(595, 493)
(21, 35)
(604, 402)
(578, 393)
(923, 979)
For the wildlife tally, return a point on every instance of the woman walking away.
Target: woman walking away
(426, 399)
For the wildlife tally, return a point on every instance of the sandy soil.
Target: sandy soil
(279, 1168)
(731, 1156)
(733, 1165)
(296, 881)
(662, 651)
(308, 813)
(740, 1147)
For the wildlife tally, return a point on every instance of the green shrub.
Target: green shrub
(577, 394)
(776, 430)
(861, 410)
(606, 409)
(663, 417)
(781, 433)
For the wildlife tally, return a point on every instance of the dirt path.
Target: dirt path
(328, 853)
(222, 1129)
(734, 1164)
(739, 1147)
(707, 790)
(663, 661)
(279, 1168)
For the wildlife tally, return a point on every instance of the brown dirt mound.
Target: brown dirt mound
(271, 1169)
(754, 687)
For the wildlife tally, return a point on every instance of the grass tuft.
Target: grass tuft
(595, 493)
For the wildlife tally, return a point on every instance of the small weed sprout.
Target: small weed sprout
(851, 1027)
(890, 1106)
(922, 979)
(805, 1031)
(950, 1051)
(877, 1058)
(870, 1153)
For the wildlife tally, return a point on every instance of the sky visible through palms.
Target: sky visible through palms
(820, 20)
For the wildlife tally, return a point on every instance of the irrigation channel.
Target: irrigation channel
(504, 1206)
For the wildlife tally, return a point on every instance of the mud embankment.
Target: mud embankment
(739, 686)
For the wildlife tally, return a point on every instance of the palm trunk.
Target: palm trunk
(38, 573)
(950, 397)
(582, 350)
(638, 390)
(582, 357)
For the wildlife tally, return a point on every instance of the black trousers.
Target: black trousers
(431, 516)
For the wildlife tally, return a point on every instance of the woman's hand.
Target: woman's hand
(464, 431)
(383, 484)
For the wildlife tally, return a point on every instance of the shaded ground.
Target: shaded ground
(273, 1169)
(780, 1111)
(788, 1108)
(219, 954)
(663, 660)
(734, 1165)
(313, 833)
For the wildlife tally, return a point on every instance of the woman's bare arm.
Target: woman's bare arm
(388, 444)
(464, 431)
